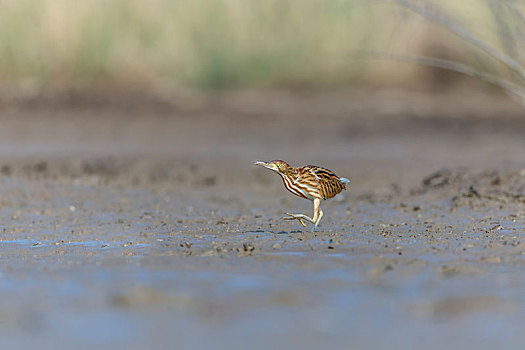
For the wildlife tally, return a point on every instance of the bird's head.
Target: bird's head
(278, 166)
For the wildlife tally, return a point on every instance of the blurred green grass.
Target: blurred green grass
(214, 44)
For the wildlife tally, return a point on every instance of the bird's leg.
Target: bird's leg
(318, 219)
(318, 214)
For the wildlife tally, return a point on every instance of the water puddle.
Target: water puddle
(289, 253)
(88, 243)
(24, 242)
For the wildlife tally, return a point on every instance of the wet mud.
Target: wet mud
(153, 230)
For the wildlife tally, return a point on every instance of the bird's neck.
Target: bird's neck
(292, 172)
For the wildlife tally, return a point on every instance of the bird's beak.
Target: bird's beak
(268, 165)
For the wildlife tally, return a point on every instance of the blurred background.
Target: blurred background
(187, 75)
(238, 44)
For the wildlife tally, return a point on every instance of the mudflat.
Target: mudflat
(145, 225)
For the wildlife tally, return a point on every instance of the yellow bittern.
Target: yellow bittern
(309, 182)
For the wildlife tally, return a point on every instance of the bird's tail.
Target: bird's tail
(344, 180)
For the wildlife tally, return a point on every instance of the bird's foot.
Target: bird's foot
(300, 218)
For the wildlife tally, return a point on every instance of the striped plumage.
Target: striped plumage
(309, 182)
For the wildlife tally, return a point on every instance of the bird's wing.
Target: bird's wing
(322, 174)
(329, 183)
(309, 174)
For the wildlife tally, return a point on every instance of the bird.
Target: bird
(310, 182)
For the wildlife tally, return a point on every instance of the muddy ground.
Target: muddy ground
(141, 223)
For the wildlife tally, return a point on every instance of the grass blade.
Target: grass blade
(452, 66)
(456, 28)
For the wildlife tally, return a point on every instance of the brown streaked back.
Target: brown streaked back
(329, 183)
